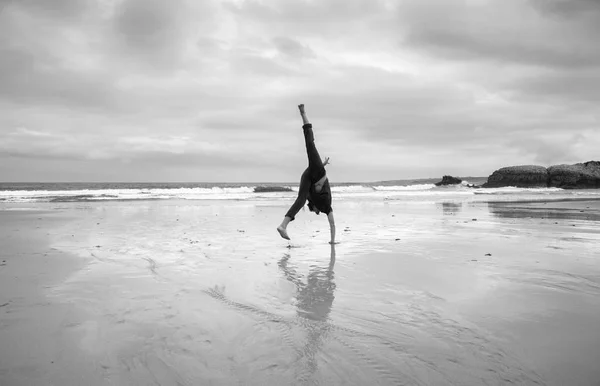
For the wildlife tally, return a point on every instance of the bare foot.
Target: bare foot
(283, 232)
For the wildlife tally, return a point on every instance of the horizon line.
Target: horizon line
(224, 182)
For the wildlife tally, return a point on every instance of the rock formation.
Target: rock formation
(271, 189)
(448, 180)
(578, 176)
(524, 176)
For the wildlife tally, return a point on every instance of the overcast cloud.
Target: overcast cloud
(187, 90)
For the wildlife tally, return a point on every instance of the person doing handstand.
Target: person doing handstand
(314, 184)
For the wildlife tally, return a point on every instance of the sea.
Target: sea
(423, 189)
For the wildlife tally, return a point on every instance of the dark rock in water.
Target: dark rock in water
(271, 189)
(449, 180)
(525, 176)
(578, 176)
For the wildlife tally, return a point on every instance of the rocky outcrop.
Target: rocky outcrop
(272, 189)
(524, 176)
(578, 176)
(448, 180)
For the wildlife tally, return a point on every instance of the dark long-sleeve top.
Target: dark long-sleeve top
(321, 200)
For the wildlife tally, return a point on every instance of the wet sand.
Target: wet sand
(206, 292)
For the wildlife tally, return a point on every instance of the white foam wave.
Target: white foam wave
(404, 188)
(405, 192)
(126, 194)
(351, 189)
(513, 190)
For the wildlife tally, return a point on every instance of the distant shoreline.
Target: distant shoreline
(256, 183)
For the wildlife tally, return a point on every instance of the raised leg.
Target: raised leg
(315, 164)
(314, 172)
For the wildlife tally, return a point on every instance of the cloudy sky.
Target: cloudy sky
(207, 90)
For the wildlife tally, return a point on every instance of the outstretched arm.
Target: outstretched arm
(331, 227)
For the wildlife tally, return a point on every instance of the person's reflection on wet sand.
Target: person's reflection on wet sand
(314, 301)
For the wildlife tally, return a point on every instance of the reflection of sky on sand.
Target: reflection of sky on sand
(582, 210)
(441, 287)
(451, 208)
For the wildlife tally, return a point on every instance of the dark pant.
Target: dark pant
(316, 169)
(312, 174)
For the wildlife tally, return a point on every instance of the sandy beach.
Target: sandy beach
(182, 292)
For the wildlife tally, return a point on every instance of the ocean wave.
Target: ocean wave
(126, 194)
(404, 188)
(280, 192)
(80, 197)
(352, 189)
(513, 190)
(213, 193)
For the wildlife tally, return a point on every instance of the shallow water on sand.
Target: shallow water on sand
(439, 293)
